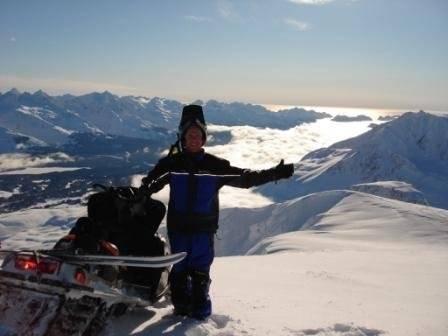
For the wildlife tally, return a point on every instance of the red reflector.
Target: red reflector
(80, 276)
(26, 263)
(47, 266)
(29, 263)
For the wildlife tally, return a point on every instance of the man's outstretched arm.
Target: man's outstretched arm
(252, 178)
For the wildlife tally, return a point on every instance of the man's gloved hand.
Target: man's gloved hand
(283, 170)
(143, 190)
(145, 181)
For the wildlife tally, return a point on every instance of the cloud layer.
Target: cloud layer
(257, 148)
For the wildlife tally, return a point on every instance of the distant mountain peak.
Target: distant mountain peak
(100, 97)
(41, 93)
(14, 92)
(107, 93)
(198, 102)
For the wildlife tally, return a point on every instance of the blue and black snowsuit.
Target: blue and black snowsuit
(192, 220)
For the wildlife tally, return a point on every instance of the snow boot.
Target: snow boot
(180, 292)
(202, 305)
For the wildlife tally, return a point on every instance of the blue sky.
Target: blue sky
(364, 53)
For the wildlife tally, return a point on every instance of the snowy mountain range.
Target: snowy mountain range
(109, 137)
(412, 149)
(35, 119)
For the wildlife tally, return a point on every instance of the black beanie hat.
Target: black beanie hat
(192, 115)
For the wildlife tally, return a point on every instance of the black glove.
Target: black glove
(145, 181)
(145, 188)
(143, 191)
(283, 171)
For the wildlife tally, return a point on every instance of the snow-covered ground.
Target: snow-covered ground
(37, 227)
(392, 189)
(366, 266)
(333, 263)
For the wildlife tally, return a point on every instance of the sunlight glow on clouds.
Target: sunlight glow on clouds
(272, 145)
(297, 25)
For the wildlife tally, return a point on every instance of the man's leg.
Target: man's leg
(180, 285)
(201, 259)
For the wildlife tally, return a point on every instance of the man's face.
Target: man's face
(193, 140)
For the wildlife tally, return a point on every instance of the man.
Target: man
(195, 178)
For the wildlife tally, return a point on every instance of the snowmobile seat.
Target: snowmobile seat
(124, 217)
(118, 211)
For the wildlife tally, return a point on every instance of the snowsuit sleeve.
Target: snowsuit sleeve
(161, 168)
(159, 183)
(253, 178)
(246, 178)
(242, 178)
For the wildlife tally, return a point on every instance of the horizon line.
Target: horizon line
(274, 107)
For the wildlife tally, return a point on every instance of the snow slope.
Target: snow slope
(392, 189)
(339, 263)
(38, 227)
(412, 148)
(326, 214)
(354, 265)
(12, 141)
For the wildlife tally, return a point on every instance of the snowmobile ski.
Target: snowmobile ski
(135, 261)
(150, 262)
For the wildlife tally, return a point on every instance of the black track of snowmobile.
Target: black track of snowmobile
(84, 316)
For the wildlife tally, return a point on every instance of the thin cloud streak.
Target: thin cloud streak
(198, 19)
(311, 2)
(227, 11)
(298, 25)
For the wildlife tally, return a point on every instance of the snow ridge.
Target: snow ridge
(353, 217)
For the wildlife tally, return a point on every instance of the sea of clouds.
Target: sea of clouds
(256, 148)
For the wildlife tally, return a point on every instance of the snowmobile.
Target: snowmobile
(111, 261)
